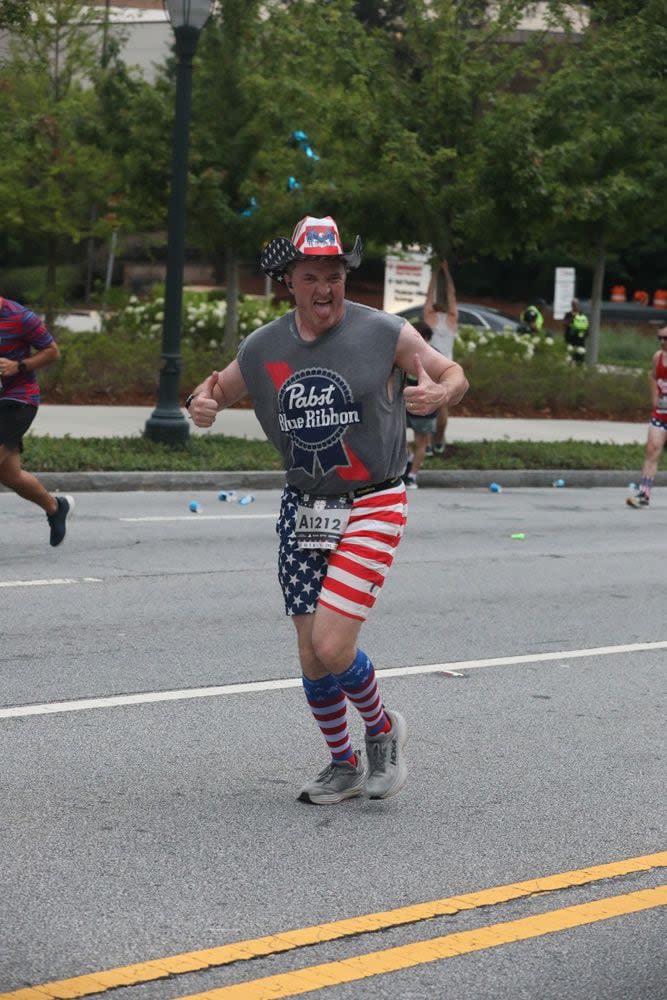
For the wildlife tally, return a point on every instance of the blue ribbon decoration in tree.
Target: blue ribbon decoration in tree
(300, 140)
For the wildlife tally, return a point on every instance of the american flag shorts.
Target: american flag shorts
(348, 579)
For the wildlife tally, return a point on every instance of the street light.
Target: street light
(167, 423)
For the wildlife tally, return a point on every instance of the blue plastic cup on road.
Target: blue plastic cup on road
(225, 495)
(195, 507)
(558, 482)
(246, 499)
(495, 487)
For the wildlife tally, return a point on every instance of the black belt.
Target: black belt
(362, 491)
(377, 487)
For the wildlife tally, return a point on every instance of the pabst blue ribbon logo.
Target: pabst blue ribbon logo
(315, 408)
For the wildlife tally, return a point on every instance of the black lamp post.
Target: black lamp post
(167, 423)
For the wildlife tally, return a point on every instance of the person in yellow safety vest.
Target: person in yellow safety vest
(576, 331)
(531, 320)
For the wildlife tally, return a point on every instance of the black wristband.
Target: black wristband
(189, 400)
(22, 368)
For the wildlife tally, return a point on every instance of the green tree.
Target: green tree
(48, 115)
(14, 14)
(603, 127)
(456, 173)
(265, 72)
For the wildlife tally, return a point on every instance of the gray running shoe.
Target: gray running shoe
(387, 770)
(638, 500)
(336, 782)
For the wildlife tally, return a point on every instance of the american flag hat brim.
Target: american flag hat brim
(311, 238)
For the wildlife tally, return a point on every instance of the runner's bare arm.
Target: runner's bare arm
(440, 380)
(8, 366)
(219, 391)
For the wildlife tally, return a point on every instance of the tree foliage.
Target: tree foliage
(14, 14)
(604, 132)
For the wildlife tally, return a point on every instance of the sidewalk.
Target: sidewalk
(129, 421)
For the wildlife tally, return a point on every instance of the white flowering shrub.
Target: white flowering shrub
(507, 344)
(203, 317)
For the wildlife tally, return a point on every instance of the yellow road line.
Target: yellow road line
(144, 972)
(377, 963)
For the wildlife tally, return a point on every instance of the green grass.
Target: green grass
(217, 452)
(626, 346)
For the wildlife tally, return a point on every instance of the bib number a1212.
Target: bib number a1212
(321, 522)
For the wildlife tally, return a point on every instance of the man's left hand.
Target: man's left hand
(425, 397)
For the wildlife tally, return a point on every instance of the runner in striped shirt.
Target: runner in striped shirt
(25, 346)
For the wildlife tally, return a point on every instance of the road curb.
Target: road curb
(82, 482)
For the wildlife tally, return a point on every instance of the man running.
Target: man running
(326, 382)
(25, 346)
(657, 428)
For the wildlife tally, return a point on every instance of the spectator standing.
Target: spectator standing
(423, 428)
(657, 429)
(442, 318)
(576, 332)
(325, 380)
(25, 346)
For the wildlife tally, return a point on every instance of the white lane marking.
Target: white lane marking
(251, 687)
(49, 583)
(202, 517)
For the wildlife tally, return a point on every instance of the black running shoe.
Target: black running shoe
(57, 520)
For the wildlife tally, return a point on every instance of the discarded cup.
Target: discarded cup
(519, 535)
(246, 499)
(558, 482)
(633, 486)
(226, 495)
(495, 487)
(195, 507)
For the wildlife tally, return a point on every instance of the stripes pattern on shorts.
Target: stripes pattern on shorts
(348, 579)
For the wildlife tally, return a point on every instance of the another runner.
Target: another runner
(657, 430)
(326, 384)
(25, 346)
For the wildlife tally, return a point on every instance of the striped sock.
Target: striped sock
(359, 684)
(645, 485)
(329, 708)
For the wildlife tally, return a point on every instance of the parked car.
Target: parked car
(483, 317)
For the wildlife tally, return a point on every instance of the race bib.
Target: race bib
(321, 521)
(661, 405)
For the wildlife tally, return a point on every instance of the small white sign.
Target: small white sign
(564, 290)
(407, 273)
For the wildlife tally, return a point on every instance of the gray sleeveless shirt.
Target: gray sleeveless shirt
(333, 407)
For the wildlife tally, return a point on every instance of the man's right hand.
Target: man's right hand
(203, 407)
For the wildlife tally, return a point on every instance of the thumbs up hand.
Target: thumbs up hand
(426, 396)
(203, 408)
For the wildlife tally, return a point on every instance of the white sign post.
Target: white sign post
(406, 277)
(564, 290)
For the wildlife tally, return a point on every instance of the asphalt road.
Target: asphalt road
(153, 738)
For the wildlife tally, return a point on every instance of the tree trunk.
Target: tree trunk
(593, 345)
(230, 337)
(51, 282)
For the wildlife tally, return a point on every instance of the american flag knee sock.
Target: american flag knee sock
(329, 707)
(360, 685)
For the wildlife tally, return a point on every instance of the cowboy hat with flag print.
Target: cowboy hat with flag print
(311, 238)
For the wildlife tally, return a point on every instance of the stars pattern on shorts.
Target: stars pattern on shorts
(300, 571)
